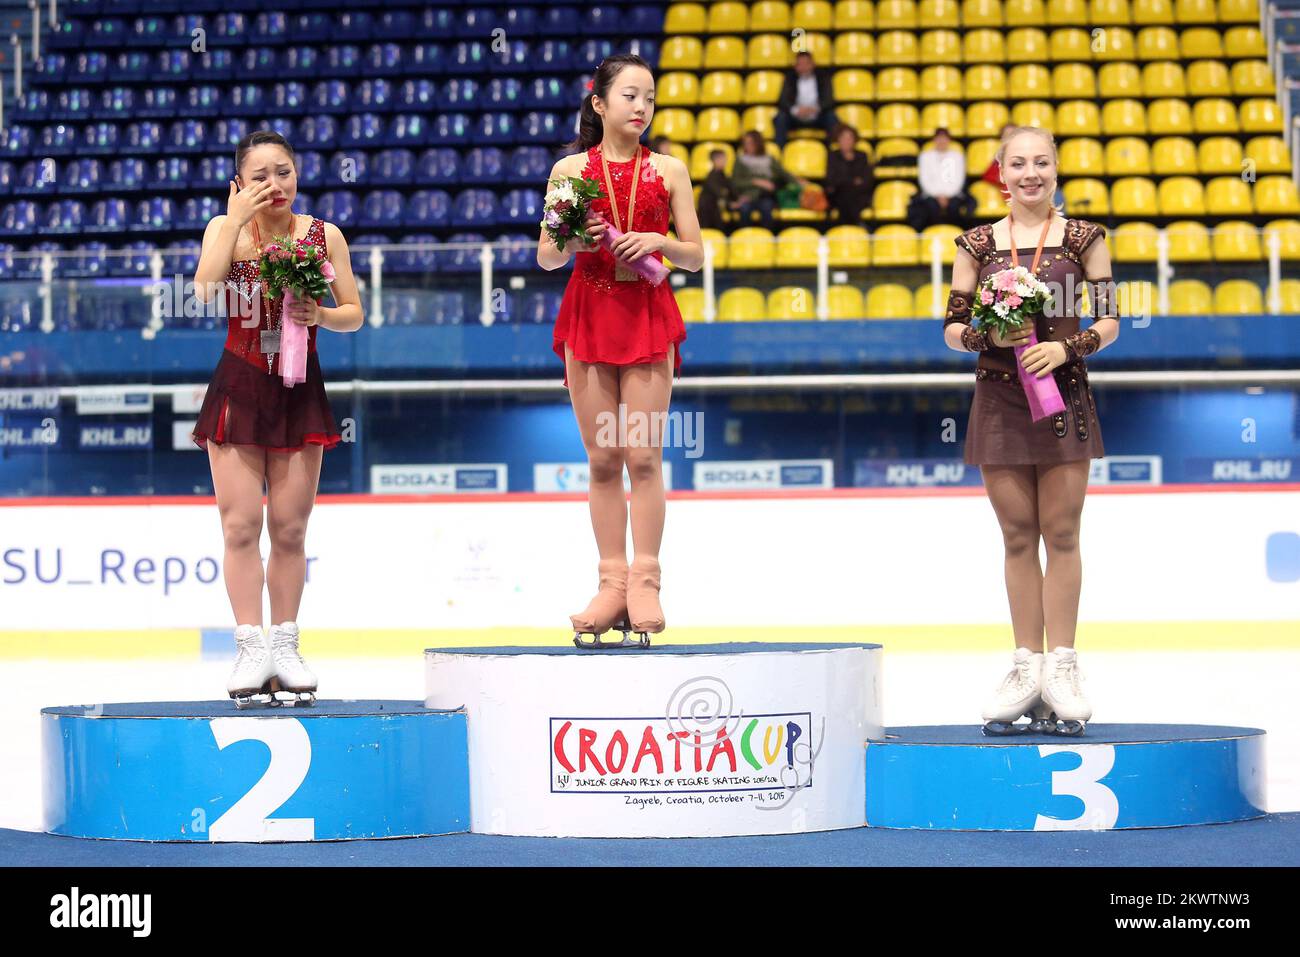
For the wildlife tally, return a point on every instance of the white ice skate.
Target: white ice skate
(253, 680)
(291, 671)
(1065, 708)
(1018, 695)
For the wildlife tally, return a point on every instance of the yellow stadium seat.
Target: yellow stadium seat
(796, 247)
(981, 13)
(751, 247)
(716, 240)
(677, 89)
(765, 50)
(685, 18)
(853, 86)
(1200, 43)
(1128, 156)
(812, 15)
(1061, 13)
(1174, 156)
(1136, 243)
(1081, 156)
(989, 201)
(1069, 43)
(818, 44)
(725, 53)
(1076, 118)
(770, 16)
(855, 49)
(1034, 113)
(896, 48)
(986, 119)
(1252, 78)
(1169, 116)
(1071, 80)
(1124, 118)
(855, 15)
(1023, 13)
(1147, 12)
(681, 53)
(1086, 198)
(678, 151)
(891, 198)
(805, 158)
(690, 301)
(845, 302)
(1157, 43)
(940, 236)
(890, 301)
(791, 302)
(760, 118)
(676, 124)
(1288, 297)
(1237, 241)
(1119, 79)
(1239, 11)
(1133, 196)
(896, 83)
(1207, 78)
(1134, 299)
(1189, 241)
(980, 154)
(1239, 43)
(895, 15)
(1181, 196)
(938, 13)
(1111, 12)
(1026, 45)
(763, 86)
(742, 305)
(943, 115)
(728, 18)
(929, 301)
(849, 247)
(896, 158)
(722, 88)
(1196, 11)
(985, 82)
(861, 118)
(1261, 116)
(1276, 195)
(1163, 79)
(700, 164)
(898, 119)
(1114, 43)
(1030, 76)
(1238, 297)
(941, 46)
(1269, 154)
(983, 46)
(1214, 115)
(1190, 297)
(1219, 154)
(718, 123)
(940, 83)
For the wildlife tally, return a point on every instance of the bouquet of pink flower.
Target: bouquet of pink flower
(294, 269)
(1006, 300)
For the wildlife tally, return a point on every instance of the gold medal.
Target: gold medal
(622, 272)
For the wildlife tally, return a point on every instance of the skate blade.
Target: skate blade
(296, 699)
(1005, 729)
(595, 644)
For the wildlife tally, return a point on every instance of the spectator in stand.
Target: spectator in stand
(806, 102)
(756, 177)
(715, 193)
(942, 197)
(850, 178)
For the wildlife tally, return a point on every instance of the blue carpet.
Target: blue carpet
(1273, 841)
(324, 708)
(1096, 734)
(730, 648)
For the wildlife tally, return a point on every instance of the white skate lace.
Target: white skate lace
(1017, 679)
(284, 645)
(1067, 672)
(251, 649)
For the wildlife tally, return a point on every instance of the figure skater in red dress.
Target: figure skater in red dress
(620, 336)
(260, 434)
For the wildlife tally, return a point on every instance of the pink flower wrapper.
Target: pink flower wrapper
(293, 346)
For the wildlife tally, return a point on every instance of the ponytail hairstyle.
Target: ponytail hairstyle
(591, 129)
(1011, 132)
(262, 138)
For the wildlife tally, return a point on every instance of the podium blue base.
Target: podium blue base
(1116, 776)
(205, 771)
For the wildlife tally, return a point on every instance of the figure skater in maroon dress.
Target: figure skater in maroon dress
(259, 433)
(620, 336)
(1036, 473)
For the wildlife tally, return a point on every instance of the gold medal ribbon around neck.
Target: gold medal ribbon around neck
(623, 273)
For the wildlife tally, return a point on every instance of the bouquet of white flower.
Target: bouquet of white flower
(565, 209)
(1008, 299)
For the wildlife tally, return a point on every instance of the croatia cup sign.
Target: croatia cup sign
(673, 741)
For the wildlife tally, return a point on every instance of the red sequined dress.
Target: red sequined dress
(607, 320)
(247, 403)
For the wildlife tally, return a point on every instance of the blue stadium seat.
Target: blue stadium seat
(380, 208)
(429, 59)
(516, 250)
(439, 165)
(152, 215)
(590, 52)
(393, 167)
(299, 61)
(546, 92)
(520, 207)
(349, 166)
(18, 218)
(538, 127)
(214, 173)
(7, 178)
(158, 102)
(475, 22)
(59, 140)
(314, 27)
(384, 59)
(338, 207)
(559, 22)
(230, 28)
(529, 164)
(106, 33)
(483, 164)
(373, 96)
(319, 131)
(342, 60)
(170, 66)
(289, 97)
(33, 108)
(197, 210)
(272, 26)
(137, 258)
(148, 32)
(503, 93)
(513, 58)
(206, 100)
(263, 61)
(407, 130)
(245, 99)
(553, 56)
(474, 207)
(468, 57)
(355, 25)
(96, 66)
(171, 173)
(224, 135)
(365, 129)
(54, 65)
(330, 96)
(450, 129)
(92, 260)
(399, 307)
(446, 308)
(427, 208)
(84, 176)
(107, 216)
(520, 21)
(64, 216)
(73, 104)
(537, 307)
(129, 174)
(410, 260)
(647, 50)
(415, 95)
(187, 136)
(458, 94)
(494, 127)
(643, 20)
(16, 140)
(146, 136)
(311, 166)
(216, 64)
(395, 25)
(70, 35)
(116, 103)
